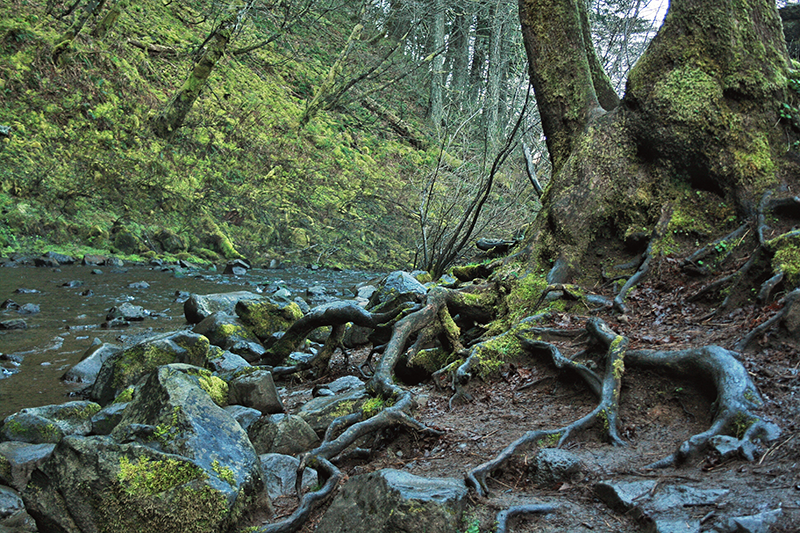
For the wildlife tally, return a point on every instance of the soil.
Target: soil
(657, 413)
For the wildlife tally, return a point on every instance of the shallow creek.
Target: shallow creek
(74, 302)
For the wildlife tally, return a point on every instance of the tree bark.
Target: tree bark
(700, 110)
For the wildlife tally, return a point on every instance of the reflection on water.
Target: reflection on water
(73, 304)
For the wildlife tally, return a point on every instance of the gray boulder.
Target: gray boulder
(397, 285)
(280, 474)
(285, 434)
(552, 465)
(322, 410)
(10, 502)
(49, 423)
(244, 415)
(199, 306)
(89, 366)
(19, 459)
(229, 333)
(264, 317)
(393, 501)
(255, 389)
(107, 418)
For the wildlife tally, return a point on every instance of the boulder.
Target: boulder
(230, 333)
(107, 418)
(49, 423)
(280, 474)
(198, 306)
(398, 284)
(265, 317)
(19, 459)
(552, 466)
(321, 411)
(10, 502)
(389, 501)
(255, 388)
(244, 415)
(285, 434)
(121, 370)
(127, 311)
(89, 366)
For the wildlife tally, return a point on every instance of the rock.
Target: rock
(23, 290)
(29, 309)
(61, 259)
(14, 323)
(237, 267)
(397, 284)
(197, 306)
(255, 389)
(229, 333)
(139, 285)
(49, 423)
(19, 459)
(10, 502)
(552, 466)
(302, 304)
(265, 317)
(286, 434)
(46, 262)
(224, 362)
(280, 474)
(93, 260)
(175, 463)
(121, 370)
(170, 242)
(244, 415)
(10, 305)
(344, 384)
(321, 411)
(127, 311)
(73, 284)
(666, 507)
(389, 501)
(728, 446)
(104, 422)
(758, 523)
(89, 366)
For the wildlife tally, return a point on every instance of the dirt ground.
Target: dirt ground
(657, 413)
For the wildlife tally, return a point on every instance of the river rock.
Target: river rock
(321, 411)
(255, 389)
(10, 305)
(14, 323)
(10, 502)
(196, 471)
(127, 311)
(397, 285)
(285, 434)
(237, 267)
(87, 369)
(224, 362)
(229, 333)
(244, 415)
(280, 474)
(19, 459)
(61, 259)
(265, 317)
(49, 423)
(108, 418)
(46, 262)
(121, 370)
(388, 501)
(757, 523)
(198, 306)
(29, 309)
(552, 466)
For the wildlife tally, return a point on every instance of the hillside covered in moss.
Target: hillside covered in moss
(81, 168)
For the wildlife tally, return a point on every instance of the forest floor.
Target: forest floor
(657, 413)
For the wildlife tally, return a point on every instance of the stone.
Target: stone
(285, 434)
(19, 459)
(390, 501)
(244, 415)
(255, 389)
(230, 333)
(14, 323)
(552, 466)
(49, 423)
(280, 474)
(265, 317)
(29, 309)
(321, 411)
(757, 523)
(397, 284)
(89, 366)
(197, 306)
(139, 285)
(10, 502)
(127, 311)
(104, 422)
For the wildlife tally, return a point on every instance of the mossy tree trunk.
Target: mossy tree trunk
(90, 10)
(174, 113)
(700, 111)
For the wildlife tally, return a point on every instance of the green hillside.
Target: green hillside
(81, 169)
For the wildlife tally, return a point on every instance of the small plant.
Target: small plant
(474, 526)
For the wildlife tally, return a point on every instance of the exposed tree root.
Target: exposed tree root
(787, 301)
(737, 398)
(504, 515)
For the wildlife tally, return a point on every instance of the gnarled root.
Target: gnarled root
(504, 515)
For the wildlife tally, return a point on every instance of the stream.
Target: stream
(74, 302)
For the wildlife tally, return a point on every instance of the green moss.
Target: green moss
(786, 257)
(224, 473)
(741, 422)
(265, 318)
(5, 470)
(551, 441)
(372, 407)
(138, 361)
(431, 359)
(125, 396)
(216, 388)
(150, 477)
(343, 408)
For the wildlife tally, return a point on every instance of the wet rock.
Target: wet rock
(230, 333)
(10, 502)
(224, 362)
(236, 267)
(89, 366)
(344, 384)
(244, 415)
(14, 323)
(10, 305)
(280, 474)
(666, 507)
(93, 260)
(29, 309)
(285, 434)
(197, 306)
(19, 459)
(49, 423)
(758, 523)
(397, 285)
(302, 304)
(321, 411)
(728, 446)
(26, 291)
(265, 317)
(74, 284)
(47, 262)
(104, 422)
(61, 259)
(388, 501)
(255, 388)
(139, 285)
(127, 311)
(121, 370)
(169, 241)
(552, 466)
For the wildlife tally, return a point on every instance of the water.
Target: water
(68, 322)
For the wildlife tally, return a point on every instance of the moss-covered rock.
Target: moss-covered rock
(265, 317)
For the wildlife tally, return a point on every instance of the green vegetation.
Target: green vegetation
(145, 476)
(223, 472)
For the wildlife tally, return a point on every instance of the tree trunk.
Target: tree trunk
(90, 10)
(172, 116)
(437, 66)
(701, 110)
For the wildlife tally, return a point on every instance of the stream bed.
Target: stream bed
(73, 302)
